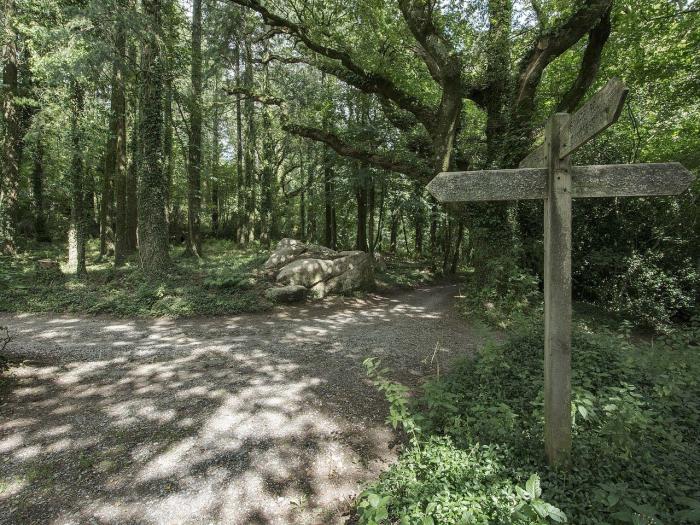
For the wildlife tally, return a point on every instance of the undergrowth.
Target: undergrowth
(475, 437)
(224, 282)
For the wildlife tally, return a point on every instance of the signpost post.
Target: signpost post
(547, 174)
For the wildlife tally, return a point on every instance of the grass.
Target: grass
(226, 281)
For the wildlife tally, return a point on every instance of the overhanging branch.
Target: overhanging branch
(344, 67)
(589, 65)
(413, 169)
(550, 45)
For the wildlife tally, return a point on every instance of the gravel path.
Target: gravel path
(254, 419)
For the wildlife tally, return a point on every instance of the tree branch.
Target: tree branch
(589, 65)
(550, 45)
(413, 169)
(344, 67)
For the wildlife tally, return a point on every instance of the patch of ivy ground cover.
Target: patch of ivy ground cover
(475, 436)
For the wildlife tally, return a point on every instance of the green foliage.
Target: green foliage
(476, 451)
(225, 282)
(500, 290)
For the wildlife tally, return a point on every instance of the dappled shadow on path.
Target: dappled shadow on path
(251, 419)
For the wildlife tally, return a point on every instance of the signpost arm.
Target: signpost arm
(557, 290)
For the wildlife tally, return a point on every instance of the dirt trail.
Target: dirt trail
(254, 419)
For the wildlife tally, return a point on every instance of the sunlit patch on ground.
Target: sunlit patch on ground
(250, 419)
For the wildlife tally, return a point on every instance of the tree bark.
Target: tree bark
(106, 192)
(194, 164)
(268, 186)
(132, 174)
(152, 226)
(77, 228)
(248, 226)
(328, 199)
(215, 208)
(9, 174)
(240, 175)
(42, 234)
(119, 155)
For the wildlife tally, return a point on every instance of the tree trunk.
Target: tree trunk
(119, 157)
(418, 195)
(250, 198)
(370, 213)
(215, 168)
(394, 230)
(106, 192)
(168, 146)
(447, 245)
(152, 226)
(361, 196)
(268, 183)
(9, 174)
(328, 199)
(434, 214)
(458, 245)
(132, 177)
(77, 228)
(311, 216)
(89, 205)
(42, 234)
(132, 173)
(194, 164)
(377, 242)
(240, 176)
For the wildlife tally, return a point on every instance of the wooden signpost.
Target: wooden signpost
(547, 174)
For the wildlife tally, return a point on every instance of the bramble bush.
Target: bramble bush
(475, 437)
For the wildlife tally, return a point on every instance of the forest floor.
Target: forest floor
(251, 419)
(227, 281)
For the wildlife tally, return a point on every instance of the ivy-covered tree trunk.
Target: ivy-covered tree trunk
(215, 208)
(240, 184)
(132, 207)
(77, 230)
(106, 193)
(361, 199)
(119, 155)
(42, 233)
(194, 162)
(250, 144)
(328, 199)
(9, 171)
(152, 225)
(268, 184)
(394, 230)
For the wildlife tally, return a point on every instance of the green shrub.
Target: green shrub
(475, 438)
(637, 287)
(498, 291)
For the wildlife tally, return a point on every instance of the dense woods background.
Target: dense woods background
(143, 125)
(153, 151)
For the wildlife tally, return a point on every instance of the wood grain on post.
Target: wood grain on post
(557, 292)
(489, 185)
